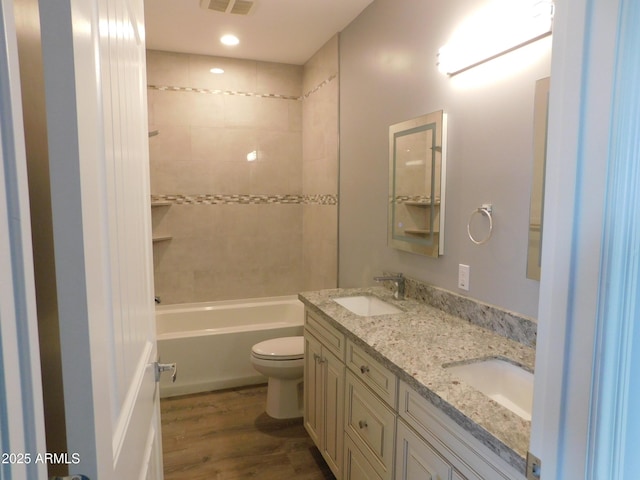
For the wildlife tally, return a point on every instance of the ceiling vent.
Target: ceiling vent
(237, 7)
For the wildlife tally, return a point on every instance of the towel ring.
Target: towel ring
(485, 210)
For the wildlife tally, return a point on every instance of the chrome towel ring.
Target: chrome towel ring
(485, 209)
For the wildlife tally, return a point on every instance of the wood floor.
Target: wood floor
(227, 435)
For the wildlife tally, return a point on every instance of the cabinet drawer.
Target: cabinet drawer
(371, 425)
(472, 459)
(416, 459)
(373, 374)
(330, 337)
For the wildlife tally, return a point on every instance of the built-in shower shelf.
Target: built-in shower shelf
(162, 238)
(160, 203)
(419, 231)
(421, 204)
(415, 231)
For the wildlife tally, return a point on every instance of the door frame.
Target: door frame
(582, 424)
(21, 410)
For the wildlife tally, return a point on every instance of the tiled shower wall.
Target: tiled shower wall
(236, 223)
(320, 167)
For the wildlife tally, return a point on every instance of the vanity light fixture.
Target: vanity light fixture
(500, 28)
(217, 71)
(230, 40)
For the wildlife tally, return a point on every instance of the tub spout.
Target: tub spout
(398, 281)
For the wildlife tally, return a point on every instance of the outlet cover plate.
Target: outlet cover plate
(463, 276)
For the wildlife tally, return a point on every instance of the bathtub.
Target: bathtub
(211, 342)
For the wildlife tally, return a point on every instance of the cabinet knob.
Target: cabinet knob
(362, 424)
(364, 369)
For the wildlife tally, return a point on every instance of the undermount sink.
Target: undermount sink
(504, 382)
(367, 305)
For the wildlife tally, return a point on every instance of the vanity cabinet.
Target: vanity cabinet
(431, 429)
(369, 425)
(324, 372)
(371, 394)
(356, 465)
(416, 459)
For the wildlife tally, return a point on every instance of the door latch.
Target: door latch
(166, 367)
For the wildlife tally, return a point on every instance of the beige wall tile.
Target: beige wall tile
(322, 65)
(205, 110)
(175, 288)
(295, 116)
(167, 68)
(171, 108)
(235, 251)
(239, 75)
(279, 79)
(320, 167)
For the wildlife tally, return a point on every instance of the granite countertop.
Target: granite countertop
(417, 343)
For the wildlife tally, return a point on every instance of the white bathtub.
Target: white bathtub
(211, 342)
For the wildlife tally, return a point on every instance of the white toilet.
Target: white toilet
(282, 361)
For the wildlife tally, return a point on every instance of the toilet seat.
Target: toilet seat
(277, 349)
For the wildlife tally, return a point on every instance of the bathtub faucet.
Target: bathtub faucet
(157, 299)
(398, 281)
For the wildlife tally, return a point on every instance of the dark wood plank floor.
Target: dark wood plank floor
(227, 435)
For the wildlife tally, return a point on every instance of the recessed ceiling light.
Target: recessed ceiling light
(217, 70)
(229, 40)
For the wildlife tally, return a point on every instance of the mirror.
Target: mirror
(417, 152)
(536, 210)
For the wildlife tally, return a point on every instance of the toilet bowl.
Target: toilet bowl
(281, 360)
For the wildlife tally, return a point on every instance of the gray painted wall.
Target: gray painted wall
(389, 74)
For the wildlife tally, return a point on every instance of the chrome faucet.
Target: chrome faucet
(398, 281)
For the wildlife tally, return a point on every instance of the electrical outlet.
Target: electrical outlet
(463, 276)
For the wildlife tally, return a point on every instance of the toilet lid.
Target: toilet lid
(284, 348)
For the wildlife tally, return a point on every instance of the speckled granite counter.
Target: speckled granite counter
(417, 343)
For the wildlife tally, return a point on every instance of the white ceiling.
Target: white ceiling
(285, 31)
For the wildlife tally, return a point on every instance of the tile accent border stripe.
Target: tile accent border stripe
(246, 199)
(208, 91)
(320, 85)
(164, 88)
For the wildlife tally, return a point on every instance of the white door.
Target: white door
(94, 64)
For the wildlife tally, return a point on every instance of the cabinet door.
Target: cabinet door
(333, 432)
(458, 476)
(356, 466)
(416, 459)
(313, 391)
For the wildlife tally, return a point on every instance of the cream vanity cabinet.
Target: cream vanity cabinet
(369, 425)
(429, 441)
(324, 349)
(370, 416)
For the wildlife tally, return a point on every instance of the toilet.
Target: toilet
(281, 360)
